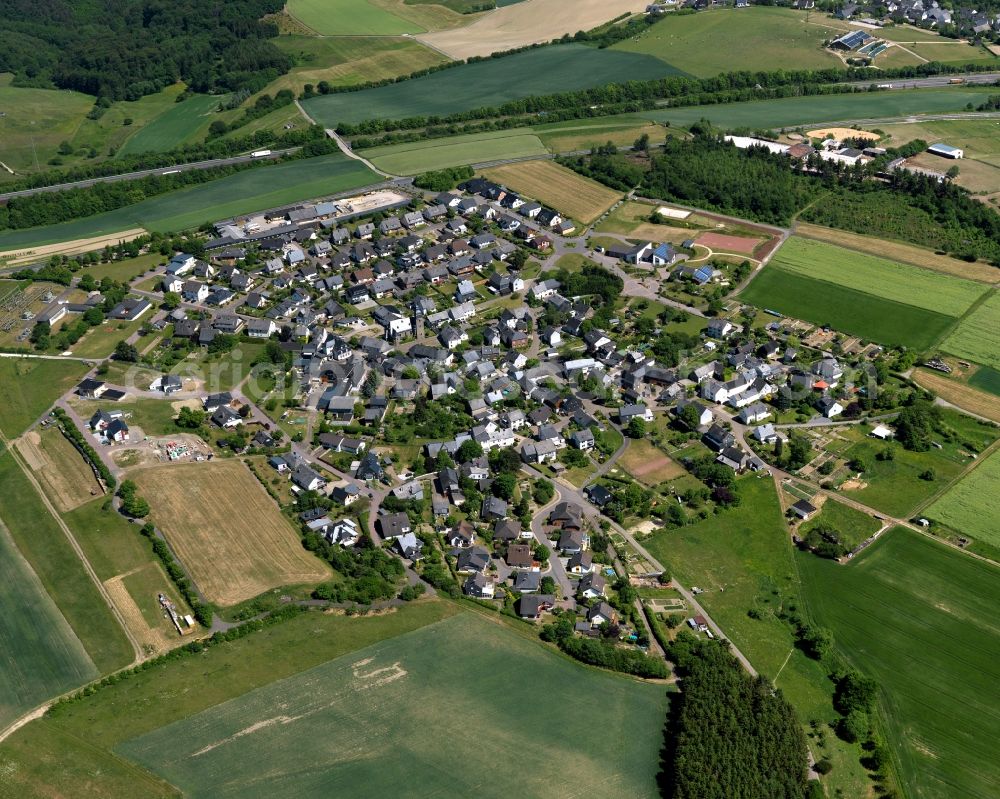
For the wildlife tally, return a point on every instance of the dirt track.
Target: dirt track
(27, 254)
(530, 22)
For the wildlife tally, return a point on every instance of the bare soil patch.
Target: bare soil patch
(648, 464)
(529, 22)
(842, 133)
(724, 243)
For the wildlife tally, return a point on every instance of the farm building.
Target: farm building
(946, 151)
(804, 510)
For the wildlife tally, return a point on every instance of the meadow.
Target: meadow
(349, 17)
(42, 657)
(45, 546)
(850, 311)
(584, 134)
(348, 61)
(853, 525)
(730, 39)
(545, 70)
(251, 190)
(29, 387)
(919, 618)
(226, 530)
(742, 558)
(894, 486)
(573, 195)
(412, 158)
(898, 251)
(124, 562)
(870, 274)
(174, 126)
(34, 123)
(972, 505)
(797, 111)
(977, 336)
(395, 692)
(952, 52)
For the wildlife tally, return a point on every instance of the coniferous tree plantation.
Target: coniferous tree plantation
(729, 734)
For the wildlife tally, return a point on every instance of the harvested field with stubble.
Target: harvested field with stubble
(573, 195)
(526, 23)
(372, 723)
(226, 530)
(68, 479)
(647, 464)
(963, 395)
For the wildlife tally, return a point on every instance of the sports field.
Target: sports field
(972, 505)
(798, 111)
(40, 655)
(978, 335)
(348, 17)
(879, 277)
(516, 25)
(647, 464)
(730, 39)
(28, 387)
(573, 195)
(252, 190)
(920, 619)
(68, 479)
(174, 126)
(562, 68)
(402, 699)
(848, 310)
(422, 156)
(898, 251)
(226, 530)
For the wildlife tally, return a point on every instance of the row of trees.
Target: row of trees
(49, 208)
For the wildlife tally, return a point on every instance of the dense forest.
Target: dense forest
(124, 49)
(729, 734)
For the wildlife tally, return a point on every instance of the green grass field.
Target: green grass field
(252, 190)
(854, 525)
(349, 17)
(972, 505)
(743, 559)
(796, 111)
(396, 692)
(880, 277)
(28, 388)
(844, 309)
(921, 620)
(706, 44)
(46, 548)
(986, 379)
(488, 83)
(894, 486)
(348, 61)
(415, 157)
(952, 52)
(34, 123)
(42, 657)
(172, 127)
(977, 337)
(126, 269)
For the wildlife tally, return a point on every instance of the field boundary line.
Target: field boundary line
(16, 455)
